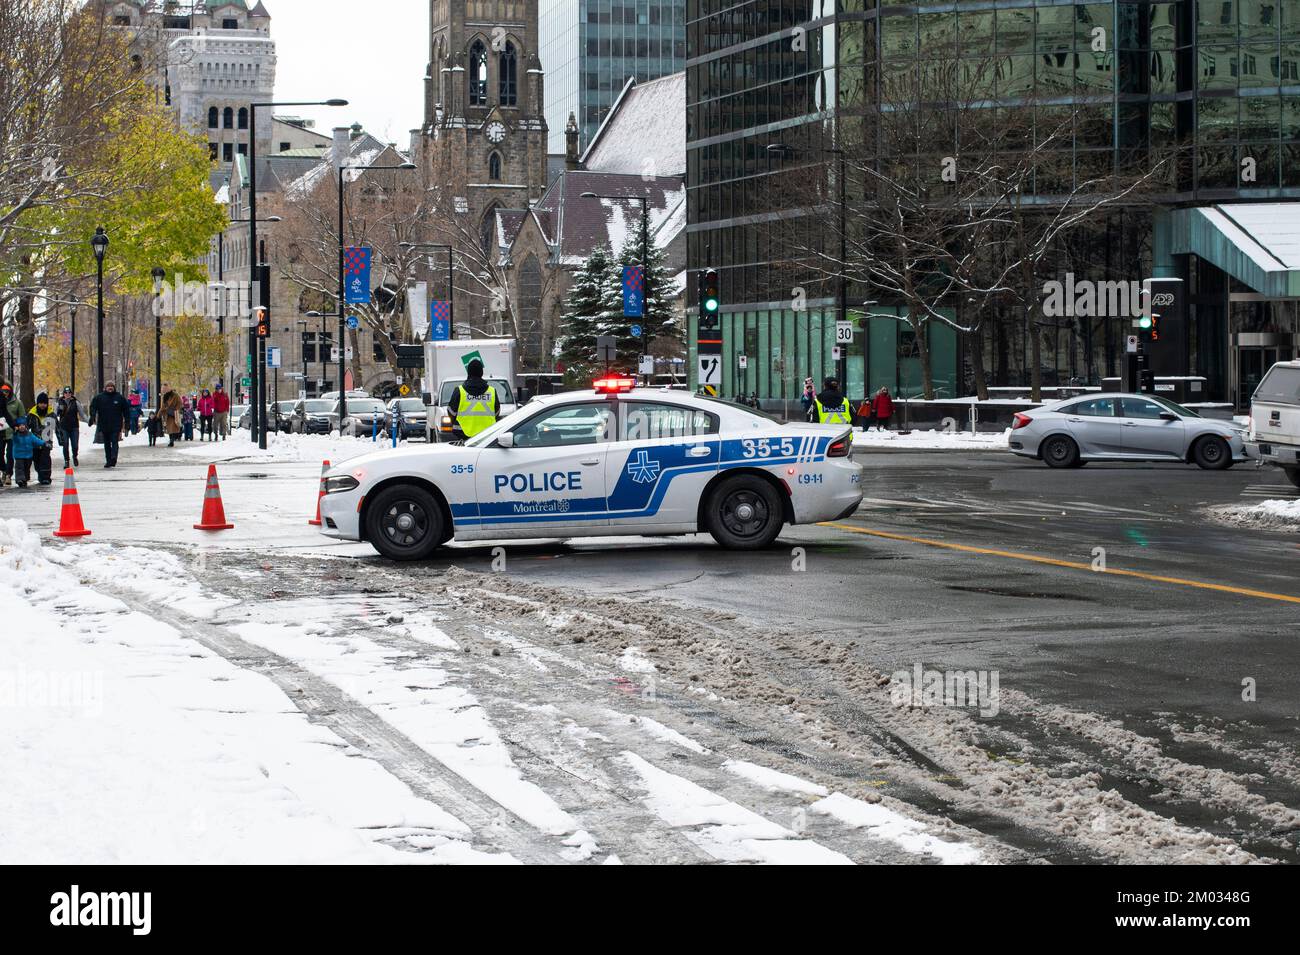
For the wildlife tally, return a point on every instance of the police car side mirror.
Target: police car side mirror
(506, 439)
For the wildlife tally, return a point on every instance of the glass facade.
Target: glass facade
(1214, 86)
(590, 48)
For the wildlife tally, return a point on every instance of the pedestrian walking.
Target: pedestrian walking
(68, 415)
(187, 418)
(110, 414)
(221, 411)
(170, 411)
(205, 415)
(867, 412)
(25, 445)
(882, 405)
(11, 409)
(41, 422)
(154, 428)
(137, 407)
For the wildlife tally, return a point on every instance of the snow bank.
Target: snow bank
(932, 440)
(285, 448)
(1270, 514)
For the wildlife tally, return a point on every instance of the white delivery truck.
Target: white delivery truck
(1274, 435)
(444, 370)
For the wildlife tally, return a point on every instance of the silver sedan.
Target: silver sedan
(1124, 427)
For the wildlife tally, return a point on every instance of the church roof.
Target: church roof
(645, 130)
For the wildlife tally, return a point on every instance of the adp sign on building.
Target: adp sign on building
(356, 281)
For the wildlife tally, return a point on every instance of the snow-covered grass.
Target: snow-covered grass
(931, 440)
(1269, 514)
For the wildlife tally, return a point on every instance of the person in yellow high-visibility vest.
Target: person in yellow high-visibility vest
(476, 406)
(830, 407)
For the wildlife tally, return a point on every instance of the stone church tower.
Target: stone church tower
(484, 119)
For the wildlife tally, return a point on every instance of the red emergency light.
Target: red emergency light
(614, 384)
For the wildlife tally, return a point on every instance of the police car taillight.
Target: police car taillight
(839, 449)
(614, 384)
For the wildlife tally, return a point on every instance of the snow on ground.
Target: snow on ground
(127, 742)
(885, 823)
(1268, 514)
(284, 448)
(931, 440)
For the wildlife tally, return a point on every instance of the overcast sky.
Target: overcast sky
(370, 52)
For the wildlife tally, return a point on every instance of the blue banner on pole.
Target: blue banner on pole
(356, 268)
(633, 291)
(439, 321)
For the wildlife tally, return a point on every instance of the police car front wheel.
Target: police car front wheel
(404, 523)
(744, 512)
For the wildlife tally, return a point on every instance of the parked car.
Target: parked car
(364, 414)
(409, 416)
(1275, 420)
(1124, 427)
(311, 416)
(239, 417)
(281, 414)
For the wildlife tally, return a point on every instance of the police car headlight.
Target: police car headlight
(335, 485)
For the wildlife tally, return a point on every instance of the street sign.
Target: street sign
(742, 361)
(633, 291)
(273, 357)
(606, 349)
(302, 394)
(404, 390)
(248, 362)
(710, 371)
(844, 333)
(353, 322)
(835, 353)
(439, 321)
(647, 365)
(334, 353)
(245, 382)
(1131, 344)
(636, 331)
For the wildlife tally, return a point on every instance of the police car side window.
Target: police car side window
(646, 421)
(567, 425)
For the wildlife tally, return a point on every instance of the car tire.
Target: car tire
(1212, 454)
(744, 513)
(404, 522)
(1292, 475)
(1058, 451)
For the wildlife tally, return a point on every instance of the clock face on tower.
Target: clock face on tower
(495, 132)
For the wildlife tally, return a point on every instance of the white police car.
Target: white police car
(608, 462)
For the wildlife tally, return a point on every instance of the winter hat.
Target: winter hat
(20, 421)
(219, 386)
(474, 368)
(43, 399)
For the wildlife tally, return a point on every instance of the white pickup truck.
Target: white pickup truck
(1274, 435)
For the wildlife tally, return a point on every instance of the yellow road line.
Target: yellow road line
(1071, 564)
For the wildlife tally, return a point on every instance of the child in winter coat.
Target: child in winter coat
(187, 418)
(25, 446)
(155, 428)
(42, 422)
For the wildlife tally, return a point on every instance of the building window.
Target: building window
(243, 149)
(121, 21)
(507, 75)
(285, 147)
(478, 74)
(530, 313)
(243, 117)
(228, 118)
(494, 167)
(227, 152)
(229, 23)
(214, 117)
(212, 151)
(377, 349)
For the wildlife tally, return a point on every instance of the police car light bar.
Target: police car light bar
(613, 384)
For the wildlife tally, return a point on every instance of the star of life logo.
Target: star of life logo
(642, 469)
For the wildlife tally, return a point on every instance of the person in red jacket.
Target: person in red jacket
(221, 411)
(882, 407)
(206, 411)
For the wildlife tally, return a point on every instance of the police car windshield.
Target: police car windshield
(501, 385)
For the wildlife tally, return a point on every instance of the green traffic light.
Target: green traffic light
(1144, 321)
(711, 305)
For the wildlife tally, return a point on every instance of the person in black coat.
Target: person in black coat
(68, 414)
(109, 412)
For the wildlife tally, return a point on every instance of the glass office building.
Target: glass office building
(590, 48)
(1211, 87)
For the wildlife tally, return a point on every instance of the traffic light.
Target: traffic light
(709, 300)
(263, 323)
(1145, 322)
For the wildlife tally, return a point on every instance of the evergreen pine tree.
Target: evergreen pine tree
(657, 319)
(583, 318)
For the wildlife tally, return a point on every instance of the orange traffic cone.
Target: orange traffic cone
(70, 524)
(214, 515)
(315, 521)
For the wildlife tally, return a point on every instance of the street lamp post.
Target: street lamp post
(72, 361)
(158, 273)
(451, 278)
(258, 411)
(100, 245)
(221, 282)
(645, 253)
(342, 310)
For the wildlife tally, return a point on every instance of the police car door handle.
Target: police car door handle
(699, 451)
(589, 461)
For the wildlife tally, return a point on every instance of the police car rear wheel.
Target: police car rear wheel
(404, 523)
(744, 512)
